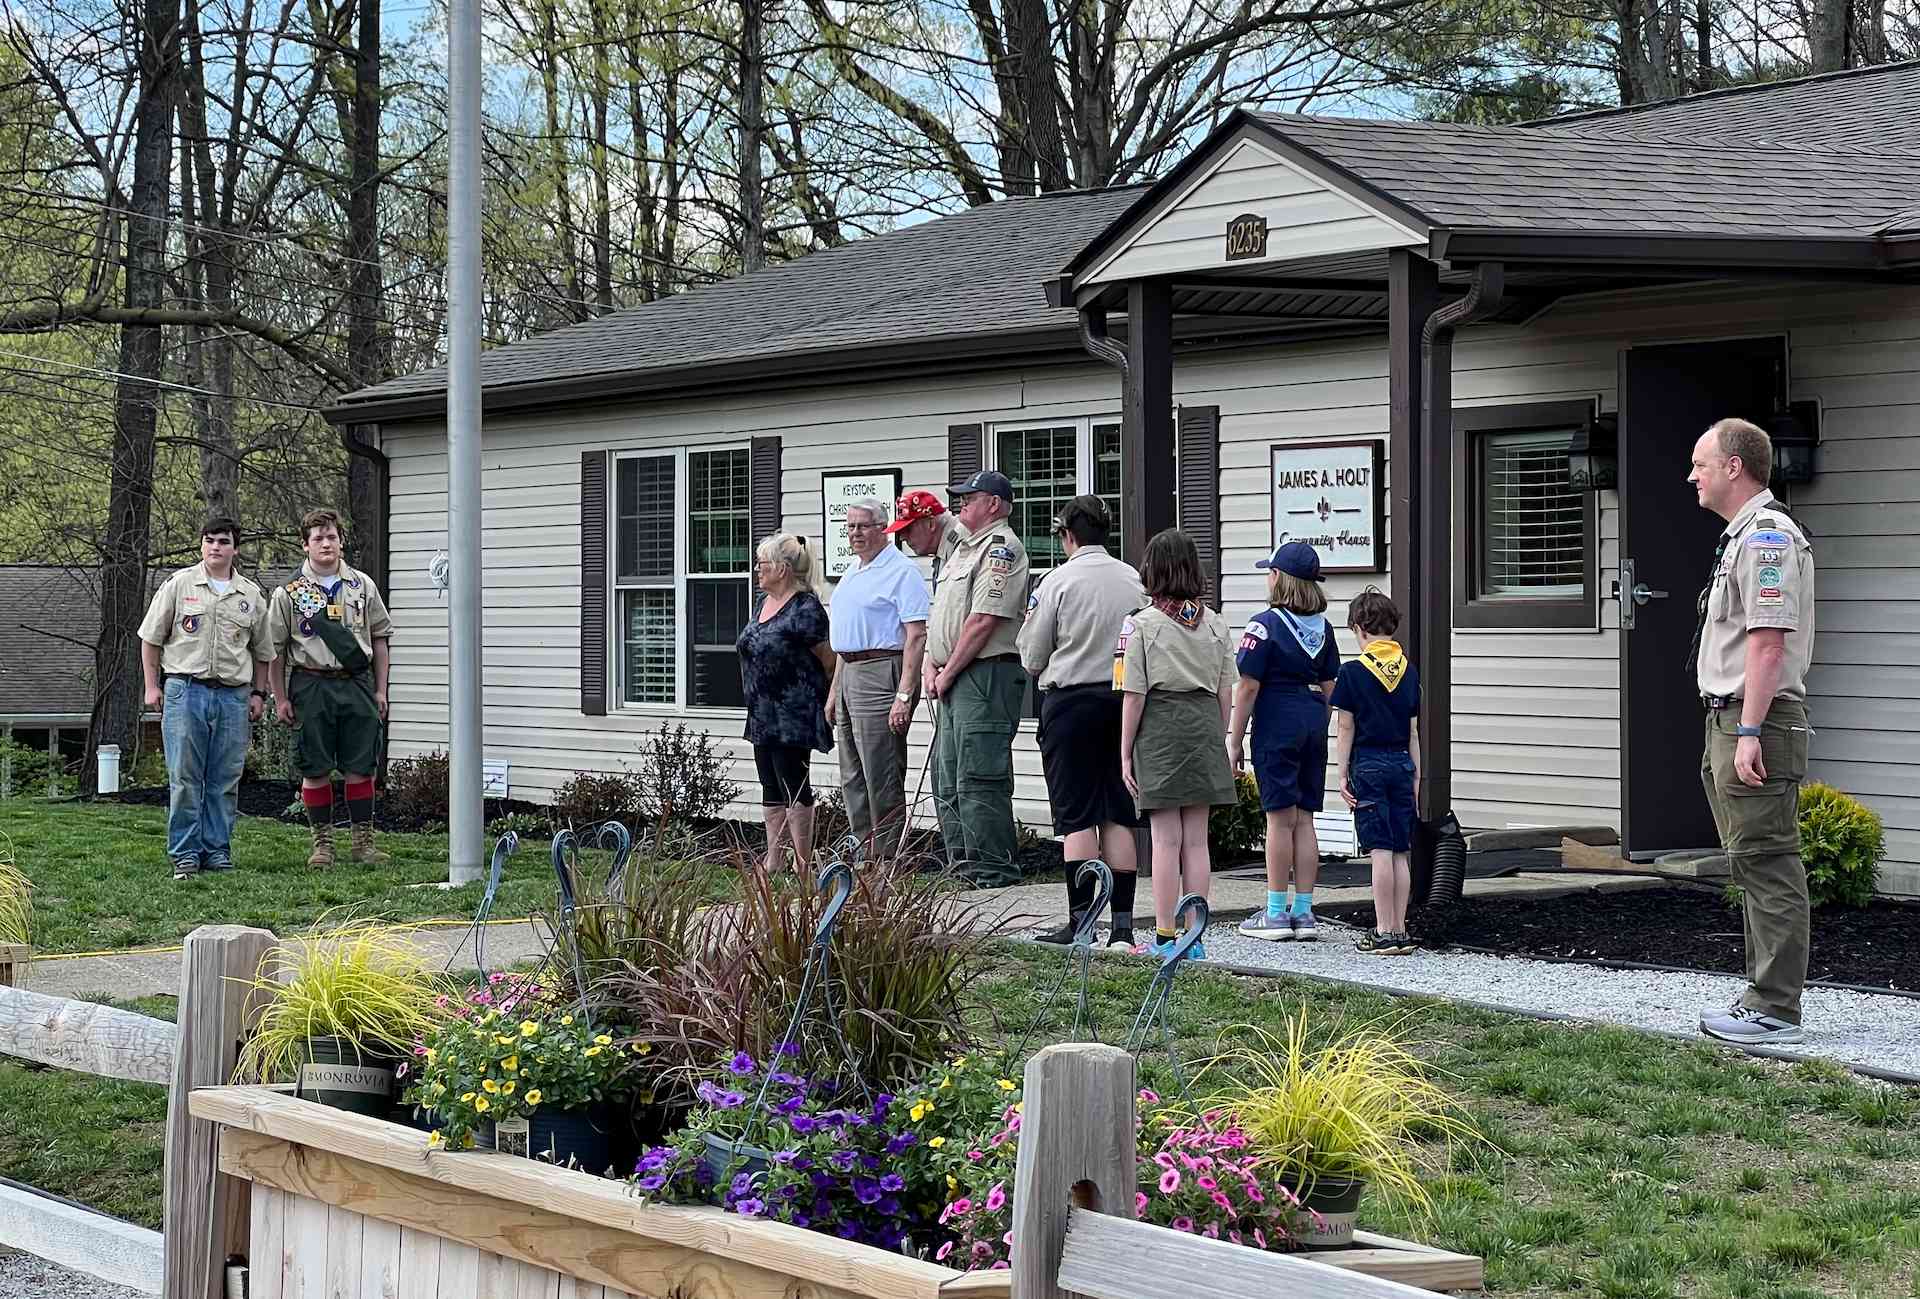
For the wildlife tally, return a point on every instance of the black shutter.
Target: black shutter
(1198, 453)
(764, 513)
(963, 452)
(593, 583)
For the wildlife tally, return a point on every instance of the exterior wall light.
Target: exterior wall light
(1796, 437)
(1593, 456)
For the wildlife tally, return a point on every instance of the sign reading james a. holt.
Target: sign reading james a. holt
(1329, 495)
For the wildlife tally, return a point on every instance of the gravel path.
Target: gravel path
(22, 1276)
(1857, 1028)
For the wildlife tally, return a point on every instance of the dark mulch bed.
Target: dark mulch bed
(1877, 946)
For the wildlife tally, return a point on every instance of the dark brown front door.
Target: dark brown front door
(1668, 396)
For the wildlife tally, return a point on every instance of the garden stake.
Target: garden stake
(566, 857)
(615, 836)
(504, 847)
(1154, 1005)
(1081, 953)
(919, 788)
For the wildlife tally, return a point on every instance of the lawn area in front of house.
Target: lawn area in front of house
(101, 879)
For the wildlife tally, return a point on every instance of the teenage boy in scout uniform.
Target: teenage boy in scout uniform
(973, 673)
(1752, 647)
(330, 626)
(203, 653)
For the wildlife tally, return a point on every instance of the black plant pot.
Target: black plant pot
(334, 1073)
(581, 1139)
(1337, 1202)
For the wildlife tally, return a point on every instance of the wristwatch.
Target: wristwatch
(1744, 731)
(903, 696)
(258, 694)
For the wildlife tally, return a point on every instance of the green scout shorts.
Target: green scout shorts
(336, 727)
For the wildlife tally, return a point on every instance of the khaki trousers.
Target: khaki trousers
(1760, 830)
(873, 760)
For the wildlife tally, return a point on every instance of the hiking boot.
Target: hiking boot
(1271, 929)
(1061, 936)
(1305, 930)
(185, 868)
(1750, 1027)
(322, 854)
(363, 850)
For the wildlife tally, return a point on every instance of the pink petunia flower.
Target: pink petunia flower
(940, 1254)
(1205, 1183)
(996, 1197)
(1169, 1182)
(1260, 1238)
(1139, 1203)
(1182, 1224)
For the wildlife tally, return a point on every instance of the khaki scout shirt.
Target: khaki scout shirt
(984, 572)
(202, 633)
(1156, 653)
(1764, 579)
(1073, 617)
(361, 609)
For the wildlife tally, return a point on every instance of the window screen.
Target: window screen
(1533, 525)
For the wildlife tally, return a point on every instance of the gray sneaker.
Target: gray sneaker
(1746, 1025)
(1268, 929)
(1304, 928)
(218, 862)
(185, 868)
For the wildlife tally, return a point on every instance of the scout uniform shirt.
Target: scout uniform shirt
(1156, 651)
(984, 572)
(202, 633)
(361, 611)
(1073, 617)
(1764, 578)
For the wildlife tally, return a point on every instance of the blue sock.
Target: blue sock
(1303, 903)
(1276, 904)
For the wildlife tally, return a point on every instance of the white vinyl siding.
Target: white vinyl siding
(1536, 713)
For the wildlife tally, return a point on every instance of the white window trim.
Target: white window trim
(1083, 426)
(682, 542)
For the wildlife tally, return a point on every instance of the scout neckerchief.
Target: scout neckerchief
(1310, 632)
(1185, 613)
(322, 615)
(1387, 661)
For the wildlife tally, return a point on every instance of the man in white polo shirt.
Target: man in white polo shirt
(878, 621)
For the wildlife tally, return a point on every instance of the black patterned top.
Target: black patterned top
(785, 685)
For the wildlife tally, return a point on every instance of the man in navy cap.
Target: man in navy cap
(973, 674)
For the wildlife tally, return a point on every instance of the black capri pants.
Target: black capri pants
(783, 774)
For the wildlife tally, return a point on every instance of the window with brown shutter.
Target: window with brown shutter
(963, 451)
(593, 583)
(1197, 497)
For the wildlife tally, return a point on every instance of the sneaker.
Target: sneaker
(1271, 929)
(1060, 936)
(217, 862)
(1121, 940)
(1715, 1012)
(1198, 952)
(185, 868)
(1373, 943)
(1404, 944)
(1304, 928)
(1744, 1024)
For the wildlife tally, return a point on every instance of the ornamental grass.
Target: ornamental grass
(16, 898)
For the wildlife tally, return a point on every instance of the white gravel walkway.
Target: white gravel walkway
(1852, 1027)
(22, 1276)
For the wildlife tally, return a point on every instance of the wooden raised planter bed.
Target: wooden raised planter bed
(13, 964)
(349, 1207)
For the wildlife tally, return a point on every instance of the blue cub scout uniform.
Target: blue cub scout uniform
(1289, 654)
(1380, 772)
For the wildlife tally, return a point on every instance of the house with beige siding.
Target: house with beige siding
(1493, 346)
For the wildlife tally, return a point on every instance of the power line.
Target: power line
(157, 383)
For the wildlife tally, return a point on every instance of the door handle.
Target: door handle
(1643, 593)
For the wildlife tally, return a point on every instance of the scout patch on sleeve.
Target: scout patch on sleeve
(1126, 634)
(1033, 601)
(1768, 539)
(1256, 630)
(1769, 595)
(1000, 559)
(1767, 575)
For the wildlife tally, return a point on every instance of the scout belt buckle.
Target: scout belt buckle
(1717, 702)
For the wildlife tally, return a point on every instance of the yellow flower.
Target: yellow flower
(945, 1083)
(533, 1096)
(482, 1104)
(566, 1021)
(439, 1089)
(506, 1089)
(432, 1055)
(502, 1041)
(918, 1112)
(489, 1086)
(434, 1139)
(466, 1098)
(937, 1142)
(951, 1184)
(591, 1051)
(511, 1063)
(603, 1040)
(1004, 1084)
(641, 1048)
(528, 1028)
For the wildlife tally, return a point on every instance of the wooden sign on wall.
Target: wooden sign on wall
(1331, 496)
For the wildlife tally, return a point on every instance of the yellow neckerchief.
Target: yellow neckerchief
(1386, 660)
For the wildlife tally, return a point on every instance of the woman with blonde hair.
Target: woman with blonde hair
(785, 669)
(1287, 662)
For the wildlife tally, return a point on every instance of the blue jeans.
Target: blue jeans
(204, 730)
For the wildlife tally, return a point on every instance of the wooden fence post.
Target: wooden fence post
(205, 1214)
(1076, 1148)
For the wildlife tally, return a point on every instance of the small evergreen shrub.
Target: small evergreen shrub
(683, 776)
(1234, 832)
(28, 767)
(527, 825)
(417, 789)
(1842, 842)
(590, 798)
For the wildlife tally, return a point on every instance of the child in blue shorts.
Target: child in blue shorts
(1376, 703)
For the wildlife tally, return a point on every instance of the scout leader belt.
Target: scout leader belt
(320, 617)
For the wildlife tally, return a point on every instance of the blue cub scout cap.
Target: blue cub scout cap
(1296, 559)
(984, 480)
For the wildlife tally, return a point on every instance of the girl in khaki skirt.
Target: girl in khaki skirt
(1175, 664)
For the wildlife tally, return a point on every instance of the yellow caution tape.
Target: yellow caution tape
(178, 947)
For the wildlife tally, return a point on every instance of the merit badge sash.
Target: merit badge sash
(1309, 632)
(1387, 661)
(321, 617)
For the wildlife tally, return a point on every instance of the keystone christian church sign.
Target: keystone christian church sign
(1330, 495)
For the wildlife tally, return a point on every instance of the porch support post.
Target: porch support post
(1146, 419)
(1413, 291)
(1433, 648)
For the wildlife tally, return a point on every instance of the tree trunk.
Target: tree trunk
(1827, 34)
(549, 57)
(1703, 45)
(123, 551)
(753, 126)
(366, 341)
(600, 92)
(1029, 43)
(210, 284)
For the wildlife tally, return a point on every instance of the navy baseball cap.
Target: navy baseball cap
(1296, 559)
(984, 480)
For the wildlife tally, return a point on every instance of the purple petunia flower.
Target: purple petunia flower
(804, 1124)
(729, 1100)
(785, 1079)
(741, 1065)
(847, 1230)
(893, 1182)
(785, 1157)
(870, 1162)
(742, 1183)
(707, 1092)
(866, 1190)
(750, 1208)
(821, 1182)
(788, 1048)
(905, 1141)
(653, 1181)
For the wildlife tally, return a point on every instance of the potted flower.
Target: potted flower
(1327, 1122)
(340, 1010)
(534, 1079)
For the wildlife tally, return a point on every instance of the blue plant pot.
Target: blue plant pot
(726, 1158)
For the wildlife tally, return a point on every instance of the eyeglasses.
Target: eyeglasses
(861, 527)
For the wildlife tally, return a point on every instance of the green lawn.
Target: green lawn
(101, 878)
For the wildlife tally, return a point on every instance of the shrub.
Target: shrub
(417, 789)
(1234, 832)
(270, 752)
(16, 898)
(528, 825)
(592, 797)
(683, 776)
(28, 767)
(1842, 842)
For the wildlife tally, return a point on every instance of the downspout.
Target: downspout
(1098, 343)
(1436, 521)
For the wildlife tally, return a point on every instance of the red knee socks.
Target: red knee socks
(319, 803)
(360, 802)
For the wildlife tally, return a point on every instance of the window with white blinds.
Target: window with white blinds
(677, 618)
(1533, 531)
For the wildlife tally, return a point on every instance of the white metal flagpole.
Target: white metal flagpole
(465, 813)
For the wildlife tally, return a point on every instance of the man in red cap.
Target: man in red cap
(920, 520)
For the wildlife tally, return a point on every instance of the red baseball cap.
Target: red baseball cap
(913, 507)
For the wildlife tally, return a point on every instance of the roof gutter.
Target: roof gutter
(1472, 246)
